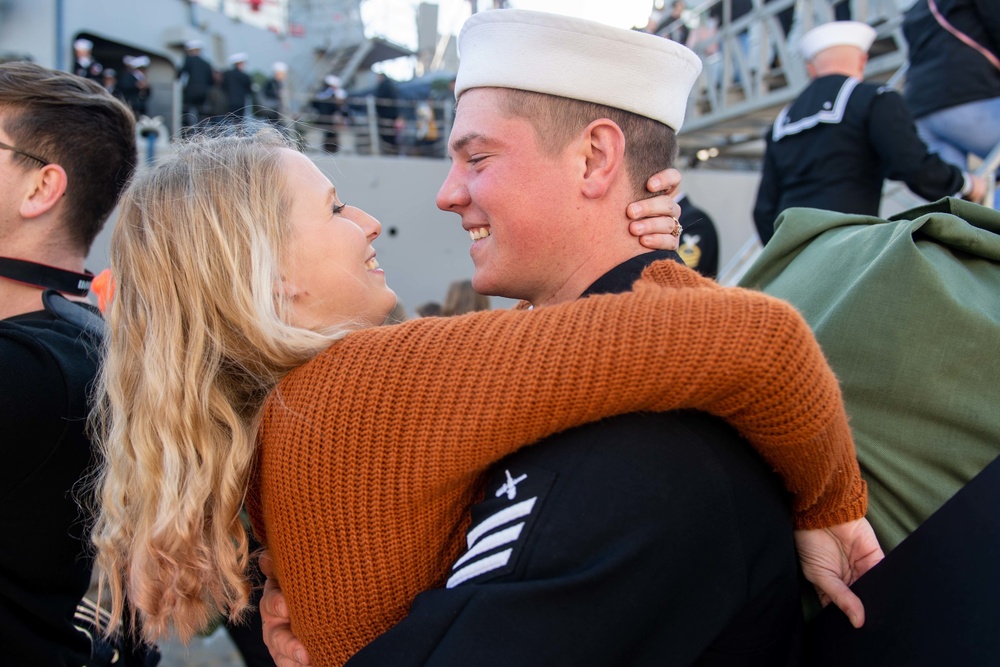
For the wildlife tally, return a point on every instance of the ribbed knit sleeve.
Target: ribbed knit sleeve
(372, 452)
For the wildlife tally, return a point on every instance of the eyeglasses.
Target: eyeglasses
(8, 147)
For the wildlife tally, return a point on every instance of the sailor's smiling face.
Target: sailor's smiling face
(511, 195)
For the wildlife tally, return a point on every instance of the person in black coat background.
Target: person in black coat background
(237, 88)
(197, 79)
(83, 61)
(134, 84)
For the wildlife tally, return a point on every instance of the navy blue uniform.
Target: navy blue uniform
(835, 145)
(646, 539)
(699, 242)
(198, 79)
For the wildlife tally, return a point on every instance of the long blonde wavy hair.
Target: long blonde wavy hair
(198, 335)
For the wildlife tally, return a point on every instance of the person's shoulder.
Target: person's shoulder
(67, 332)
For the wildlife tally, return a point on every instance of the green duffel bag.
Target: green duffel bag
(907, 311)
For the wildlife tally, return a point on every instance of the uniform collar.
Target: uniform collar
(622, 277)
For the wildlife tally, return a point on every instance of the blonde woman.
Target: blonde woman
(237, 263)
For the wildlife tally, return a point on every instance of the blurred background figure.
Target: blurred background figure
(134, 84)
(197, 79)
(953, 80)
(426, 132)
(275, 103)
(429, 309)
(329, 104)
(678, 29)
(387, 110)
(83, 61)
(237, 88)
(699, 240)
(462, 298)
(109, 80)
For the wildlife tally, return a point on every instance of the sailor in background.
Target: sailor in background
(83, 60)
(699, 240)
(237, 87)
(835, 144)
(134, 84)
(198, 79)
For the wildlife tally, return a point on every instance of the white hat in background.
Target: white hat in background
(279, 67)
(193, 44)
(332, 81)
(238, 58)
(84, 44)
(836, 33)
(139, 61)
(579, 59)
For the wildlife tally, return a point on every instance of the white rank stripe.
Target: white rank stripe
(505, 515)
(491, 542)
(482, 566)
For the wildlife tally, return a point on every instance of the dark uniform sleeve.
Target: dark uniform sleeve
(765, 208)
(906, 158)
(605, 546)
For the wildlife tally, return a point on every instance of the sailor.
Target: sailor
(699, 240)
(83, 60)
(134, 84)
(836, 143)
(198, 79)
(238, 87)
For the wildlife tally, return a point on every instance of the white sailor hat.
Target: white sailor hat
(583, 60)
(138, 61)
(332, 80)
(279, 66)
(836, 33)
(238, 58)
(193, 44)
(83, 44)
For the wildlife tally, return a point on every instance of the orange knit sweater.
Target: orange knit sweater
(373, 451)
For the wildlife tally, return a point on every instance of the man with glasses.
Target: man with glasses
(67, 148)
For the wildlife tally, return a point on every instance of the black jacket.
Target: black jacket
(944, 72)
(199, 81)
(699, 242)
(238, 89)
(833, 147)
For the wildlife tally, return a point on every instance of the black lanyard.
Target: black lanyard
(48, 277)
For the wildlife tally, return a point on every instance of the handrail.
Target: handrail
(741, 262)
(988, 170)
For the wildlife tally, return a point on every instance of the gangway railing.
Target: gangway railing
(988, 170)
(736, 268)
